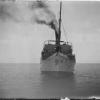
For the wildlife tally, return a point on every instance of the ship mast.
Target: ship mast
(59, 37)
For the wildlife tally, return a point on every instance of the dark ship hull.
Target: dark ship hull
(62, 61)
(58, 62)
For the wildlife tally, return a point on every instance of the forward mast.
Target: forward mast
(58, 38)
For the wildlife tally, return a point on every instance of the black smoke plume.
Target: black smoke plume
(8, 9)
(21, 10)
(43, 15)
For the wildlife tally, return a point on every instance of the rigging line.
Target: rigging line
(64, 32)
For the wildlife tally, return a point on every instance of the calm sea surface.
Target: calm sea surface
(26, 81)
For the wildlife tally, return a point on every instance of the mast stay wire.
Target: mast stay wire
(64, 31)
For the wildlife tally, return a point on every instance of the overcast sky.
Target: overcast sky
(21, 39)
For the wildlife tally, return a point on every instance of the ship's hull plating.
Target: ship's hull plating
(58, 62)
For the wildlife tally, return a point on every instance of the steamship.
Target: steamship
(57, 55)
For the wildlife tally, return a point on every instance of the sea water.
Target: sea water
(27, 81)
